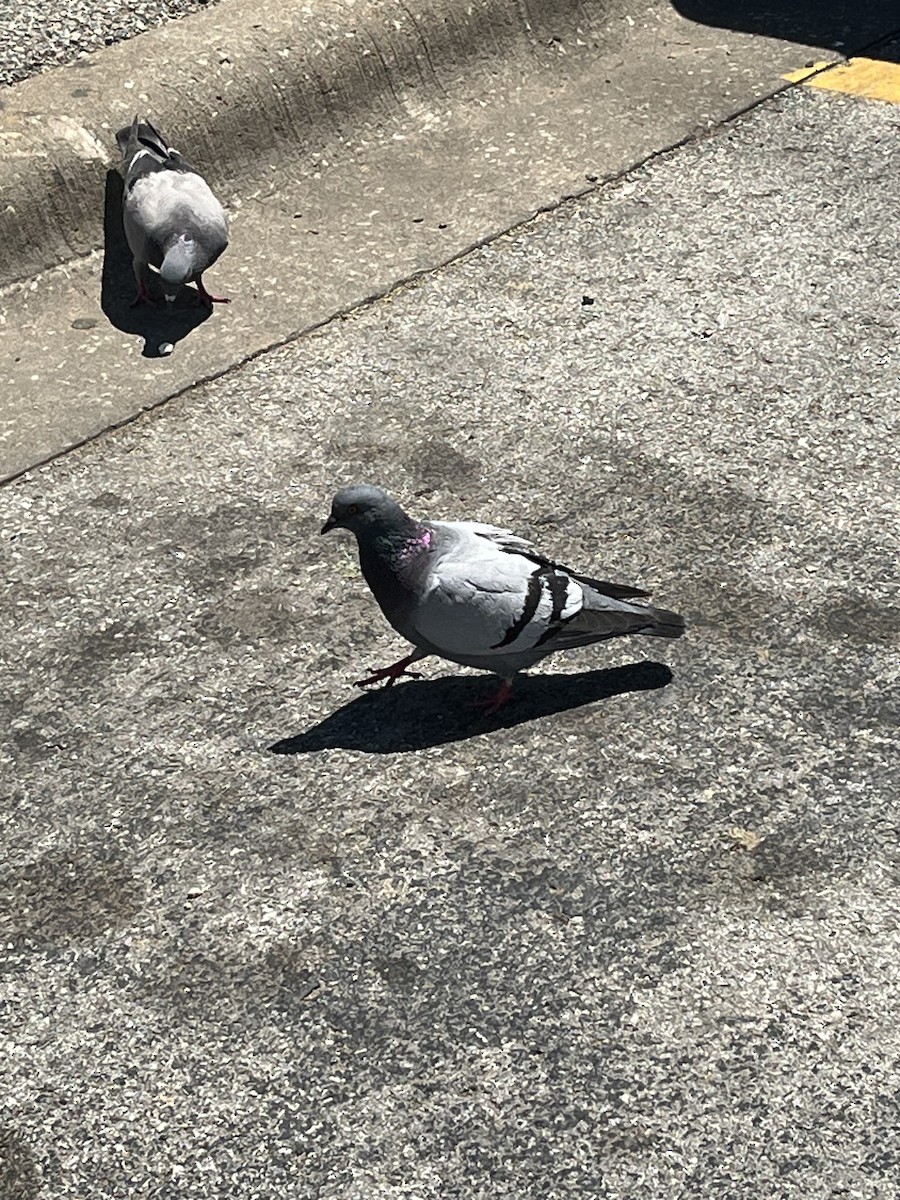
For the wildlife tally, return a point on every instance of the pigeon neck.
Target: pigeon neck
(400, 543)
(414, 545)
(389, 560)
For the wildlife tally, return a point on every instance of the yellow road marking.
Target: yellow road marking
(869, 77)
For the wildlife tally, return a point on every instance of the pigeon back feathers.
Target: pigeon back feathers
(488, 596)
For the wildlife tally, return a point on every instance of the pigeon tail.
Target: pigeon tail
(142, 135)
(618, 591)
(599, 620)
(665, 624)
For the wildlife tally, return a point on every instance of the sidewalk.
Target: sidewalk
(637, 939)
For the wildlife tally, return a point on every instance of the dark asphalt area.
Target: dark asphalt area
(634, 938)
(36, 35)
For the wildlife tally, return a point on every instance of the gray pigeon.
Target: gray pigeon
(173, 222)
(479, 595)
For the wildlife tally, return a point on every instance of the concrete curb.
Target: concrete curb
(238, 82)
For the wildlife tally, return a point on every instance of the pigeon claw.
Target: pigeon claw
(391, 674)
(491, 704)
(142, 296)
(207, 298)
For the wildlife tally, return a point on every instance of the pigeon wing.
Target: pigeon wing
(488, 594)
(482, 596)
(511, 541)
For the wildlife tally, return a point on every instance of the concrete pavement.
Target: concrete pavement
(638, 938)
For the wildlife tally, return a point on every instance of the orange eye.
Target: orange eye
(352, 509)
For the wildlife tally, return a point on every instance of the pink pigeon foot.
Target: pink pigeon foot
(142, 294)
(208, 298)
(490, 704)
(391, 673)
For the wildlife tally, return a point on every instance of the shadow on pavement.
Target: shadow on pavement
(419, 714)
(155, 323)
(845, 26)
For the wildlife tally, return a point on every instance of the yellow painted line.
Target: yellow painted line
(868, 77)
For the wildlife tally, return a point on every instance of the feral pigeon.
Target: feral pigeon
(479, 595)
(173, 222)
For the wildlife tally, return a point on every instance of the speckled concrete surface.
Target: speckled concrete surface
(446, 125)
(638, 938)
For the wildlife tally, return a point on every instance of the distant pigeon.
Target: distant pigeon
(173, 222)
(479, 595)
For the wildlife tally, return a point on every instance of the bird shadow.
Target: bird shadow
(157, 324)
(425, 713)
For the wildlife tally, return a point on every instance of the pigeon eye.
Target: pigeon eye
(352, 509)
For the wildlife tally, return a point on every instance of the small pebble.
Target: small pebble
(165, 349)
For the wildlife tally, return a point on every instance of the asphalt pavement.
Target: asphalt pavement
(36, 35)
(634, 937)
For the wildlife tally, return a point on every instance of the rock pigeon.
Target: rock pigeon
(173, 222)
(480, 596)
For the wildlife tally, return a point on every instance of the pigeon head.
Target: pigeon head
(366, 511)
(178, 266)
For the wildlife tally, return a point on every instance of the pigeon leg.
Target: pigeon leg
(491, 704)
(142, 295)
(140, 276)
(206, 297)
(391, 673)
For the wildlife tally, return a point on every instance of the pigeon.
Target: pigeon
(479, 595)
(173, 222)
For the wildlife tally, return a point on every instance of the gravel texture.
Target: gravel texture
(637, 938)
(35, 35)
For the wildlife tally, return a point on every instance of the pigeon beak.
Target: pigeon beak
(170, 300)
(328, 526)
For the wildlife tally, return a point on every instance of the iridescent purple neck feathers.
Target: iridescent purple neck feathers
(414, 546)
